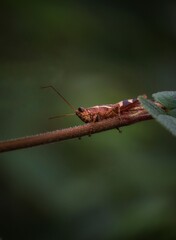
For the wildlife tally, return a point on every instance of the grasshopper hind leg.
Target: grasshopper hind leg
(120, 131)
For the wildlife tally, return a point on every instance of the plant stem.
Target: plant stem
(75, 132)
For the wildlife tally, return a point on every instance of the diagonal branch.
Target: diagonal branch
(128, 118)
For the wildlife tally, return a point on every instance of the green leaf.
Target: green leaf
(166, 98)
(168, 122)
(172, 112)
(152, 108)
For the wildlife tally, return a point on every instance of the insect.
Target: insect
(101, 112)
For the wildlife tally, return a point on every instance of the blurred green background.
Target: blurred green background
(111, 185)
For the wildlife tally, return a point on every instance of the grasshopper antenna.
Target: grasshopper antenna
(55, 90)
(60, 116)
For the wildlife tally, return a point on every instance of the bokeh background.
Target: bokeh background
(110, 185)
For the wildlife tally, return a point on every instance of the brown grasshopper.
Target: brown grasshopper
(101, 112)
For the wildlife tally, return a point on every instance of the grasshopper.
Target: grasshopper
(101, 112)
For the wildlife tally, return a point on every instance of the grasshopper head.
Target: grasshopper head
(84, 114)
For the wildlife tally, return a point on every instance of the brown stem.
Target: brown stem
(74, 132)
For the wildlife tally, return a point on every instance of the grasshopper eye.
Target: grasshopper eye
(81, 109)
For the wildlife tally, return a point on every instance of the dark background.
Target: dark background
(109, 186)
